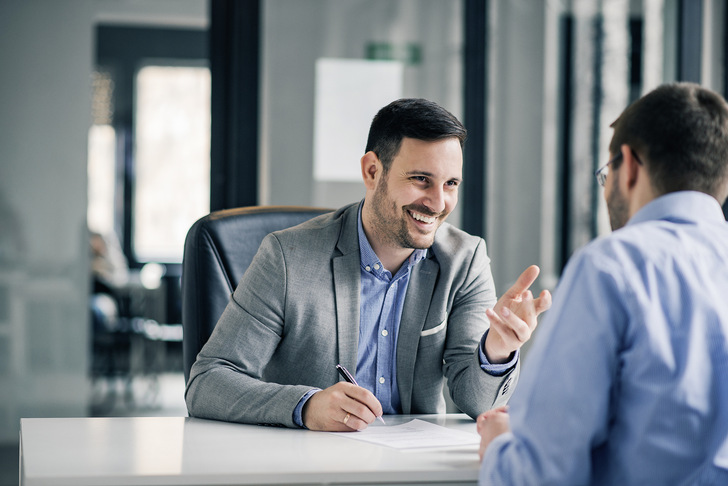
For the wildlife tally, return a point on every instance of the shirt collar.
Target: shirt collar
(685, 206)
(369, 258)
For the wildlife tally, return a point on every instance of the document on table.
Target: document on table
(416, 434)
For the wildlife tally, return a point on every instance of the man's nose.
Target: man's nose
(435, 199)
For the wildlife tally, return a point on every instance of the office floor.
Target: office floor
(144, 397)
(9, 465)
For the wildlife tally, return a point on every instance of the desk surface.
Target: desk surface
(188, 451)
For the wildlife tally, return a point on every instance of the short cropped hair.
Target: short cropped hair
(412, 118)
(680, 130)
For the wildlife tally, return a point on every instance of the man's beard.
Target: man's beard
(617, 208)
(390, 222)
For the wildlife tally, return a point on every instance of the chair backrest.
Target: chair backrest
(218, 249)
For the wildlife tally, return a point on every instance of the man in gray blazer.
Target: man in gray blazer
(383, 287)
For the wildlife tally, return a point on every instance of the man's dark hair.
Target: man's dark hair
(412, 118)
(680, 133)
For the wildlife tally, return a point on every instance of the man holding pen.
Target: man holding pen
(383, 287)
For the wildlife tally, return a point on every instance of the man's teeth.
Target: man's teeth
(423, 218)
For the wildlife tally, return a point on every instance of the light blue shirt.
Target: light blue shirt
(380, 312)
(627, 379)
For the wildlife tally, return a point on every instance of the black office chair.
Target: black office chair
(218, 249)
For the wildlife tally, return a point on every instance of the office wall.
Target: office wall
(296, 33)
(521, 135)
(46, 54)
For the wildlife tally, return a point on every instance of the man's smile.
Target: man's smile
(422, 218)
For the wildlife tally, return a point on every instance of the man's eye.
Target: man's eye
(419, 178)
(453, 183)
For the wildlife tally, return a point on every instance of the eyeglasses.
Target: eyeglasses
(601, 173)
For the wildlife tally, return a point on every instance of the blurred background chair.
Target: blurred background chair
(136, 339)
(218, 249)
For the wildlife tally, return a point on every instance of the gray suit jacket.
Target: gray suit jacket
(295, 315)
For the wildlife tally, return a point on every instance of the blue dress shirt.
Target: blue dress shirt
(380, 312)
(627, 380)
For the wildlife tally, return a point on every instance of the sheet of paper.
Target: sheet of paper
(416, 434)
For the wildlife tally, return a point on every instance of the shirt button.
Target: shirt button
(368, 268)
(376, 266)
(384, 332)
(381, 380)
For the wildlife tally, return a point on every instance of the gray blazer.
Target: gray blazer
(295, 315)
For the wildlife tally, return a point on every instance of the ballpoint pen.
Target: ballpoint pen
(350, 378)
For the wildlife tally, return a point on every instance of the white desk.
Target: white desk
(189, 451)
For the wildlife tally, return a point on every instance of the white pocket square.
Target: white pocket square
(434, 330)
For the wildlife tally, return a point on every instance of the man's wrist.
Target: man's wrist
(492, 346)
(495, 369)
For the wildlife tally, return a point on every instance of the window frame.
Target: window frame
(122, 51)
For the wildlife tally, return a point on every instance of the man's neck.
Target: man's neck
(642, 194)
(392, 258)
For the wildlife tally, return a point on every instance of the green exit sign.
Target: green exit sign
(409, 53)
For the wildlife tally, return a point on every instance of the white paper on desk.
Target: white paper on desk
(416, 434)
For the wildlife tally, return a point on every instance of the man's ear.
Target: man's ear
(371, 167)
(630, 167)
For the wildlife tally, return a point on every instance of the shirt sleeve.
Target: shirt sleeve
(298, 411)
(499, 369)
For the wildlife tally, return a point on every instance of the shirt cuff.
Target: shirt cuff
(298, 411)
(495, 369)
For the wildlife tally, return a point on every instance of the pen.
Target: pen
(350, 378)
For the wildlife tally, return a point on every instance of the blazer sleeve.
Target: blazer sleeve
(226, 379)
(472, 389)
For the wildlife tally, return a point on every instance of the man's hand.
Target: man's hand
(513, 318)
(342, 407)
(491, 424)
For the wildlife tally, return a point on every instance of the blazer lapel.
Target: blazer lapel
(346, 268)
(416, 306)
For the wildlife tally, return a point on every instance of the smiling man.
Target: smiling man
(384, 287)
